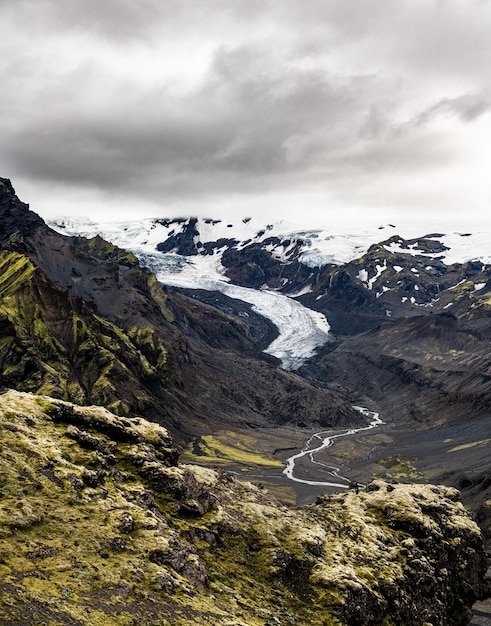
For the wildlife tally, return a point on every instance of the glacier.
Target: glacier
(301, 330)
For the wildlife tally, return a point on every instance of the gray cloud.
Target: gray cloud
(180, 99)
(468, 108)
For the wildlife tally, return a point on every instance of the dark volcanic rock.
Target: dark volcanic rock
(17, 220)
(423, 366)
(350, 307)
(183, 243)
(245, 330)
(254, 266)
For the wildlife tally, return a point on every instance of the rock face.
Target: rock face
(427, 366)
(83, 321)
(99, 525)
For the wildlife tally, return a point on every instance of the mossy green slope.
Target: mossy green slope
(98, 525)
(52, 343)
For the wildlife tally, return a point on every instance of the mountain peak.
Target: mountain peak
(16, 219)
(6, 184)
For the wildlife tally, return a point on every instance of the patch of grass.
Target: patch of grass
(400, 468)
(473, 444)
(228, 447)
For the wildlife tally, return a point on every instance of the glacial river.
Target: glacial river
(312, 448)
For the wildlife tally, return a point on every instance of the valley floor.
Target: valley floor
(391, 451)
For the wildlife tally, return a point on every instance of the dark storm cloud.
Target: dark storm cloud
(181, 98)
(239, 125)
(108, 18)
(125, 20)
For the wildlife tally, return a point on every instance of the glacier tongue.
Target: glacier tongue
(301, 330)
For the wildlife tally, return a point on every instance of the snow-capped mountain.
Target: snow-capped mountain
(356, 276)
(313, 246)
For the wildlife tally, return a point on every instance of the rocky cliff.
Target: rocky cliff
(99, 525)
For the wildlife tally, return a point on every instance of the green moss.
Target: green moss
(50, 348)
(154, 353)
(473, 444)
(15, 270)
(107, 251)
(98, 526)
(228, 447)
(119, 408)
(159, 295)
(400, 468)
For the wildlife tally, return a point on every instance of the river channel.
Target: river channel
(313, 448)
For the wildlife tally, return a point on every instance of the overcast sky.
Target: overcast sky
(313, 107)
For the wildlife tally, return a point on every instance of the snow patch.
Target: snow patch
(461, 282)
(301, 292)
(363, 275)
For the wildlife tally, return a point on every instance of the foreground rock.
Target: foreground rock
(99, 525)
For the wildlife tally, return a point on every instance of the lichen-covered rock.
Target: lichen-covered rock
(428, 558)
(99, 526)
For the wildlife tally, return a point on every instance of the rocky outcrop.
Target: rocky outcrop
(99, 525)
(183, 242)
